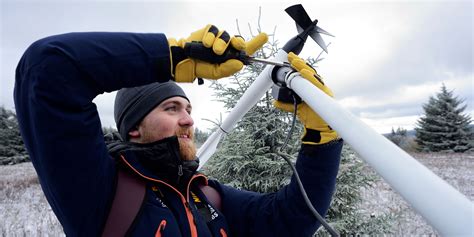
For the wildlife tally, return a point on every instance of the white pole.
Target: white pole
(445, 208)
(251, 96)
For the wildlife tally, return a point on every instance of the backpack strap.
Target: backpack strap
(128, 199)
(212, 196)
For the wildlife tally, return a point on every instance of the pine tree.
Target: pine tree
(399, 137)
(200, 136)
(108, 130)
(344, 214)
(247, 157)
(250, 151)
(444, 127)
(12, 148)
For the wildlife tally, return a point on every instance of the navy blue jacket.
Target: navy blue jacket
(56, 80)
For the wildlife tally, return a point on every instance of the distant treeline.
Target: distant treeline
(12, 148)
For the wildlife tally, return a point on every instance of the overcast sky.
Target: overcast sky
(387, 58)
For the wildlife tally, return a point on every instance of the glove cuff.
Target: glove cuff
(177, 55)
(182, 66)
(315, 137)
(185, 71)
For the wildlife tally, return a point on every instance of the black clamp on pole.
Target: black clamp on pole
(280, 91)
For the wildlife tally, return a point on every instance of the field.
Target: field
(456, 169)
(25, 212)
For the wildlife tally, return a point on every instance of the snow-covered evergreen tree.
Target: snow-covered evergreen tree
(200, 136)
(12, 148)
(400, 138)
(247, 158)
(345, 214)
(444, 127)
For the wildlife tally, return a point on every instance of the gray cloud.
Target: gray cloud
(23, 22)
(437, 49)
(434, 46)
(439, 45)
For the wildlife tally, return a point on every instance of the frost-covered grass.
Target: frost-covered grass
(25, 212)
(456, 169)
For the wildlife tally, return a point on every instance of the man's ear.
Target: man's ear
(134, 133)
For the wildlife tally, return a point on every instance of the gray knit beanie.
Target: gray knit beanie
(133, 104)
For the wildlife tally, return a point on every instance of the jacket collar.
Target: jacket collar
(159, 160)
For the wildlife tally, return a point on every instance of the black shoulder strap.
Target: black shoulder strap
(129, 196)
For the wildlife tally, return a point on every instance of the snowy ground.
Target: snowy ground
(25, 212)
(456, 169)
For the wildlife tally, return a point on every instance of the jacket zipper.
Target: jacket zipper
(180, 173)
(180, 166)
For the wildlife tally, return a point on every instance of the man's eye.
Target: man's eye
(170, 108)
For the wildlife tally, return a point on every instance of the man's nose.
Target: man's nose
(186, 120)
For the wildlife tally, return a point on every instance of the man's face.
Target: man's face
(171, 117)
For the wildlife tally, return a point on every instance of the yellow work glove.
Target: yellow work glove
(186, 69)
(316, 130)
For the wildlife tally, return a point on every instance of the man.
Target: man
(56, 81)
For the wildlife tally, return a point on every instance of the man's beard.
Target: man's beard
(187, 148)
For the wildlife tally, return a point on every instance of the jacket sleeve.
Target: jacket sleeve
(56, 80)
(285, 213)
